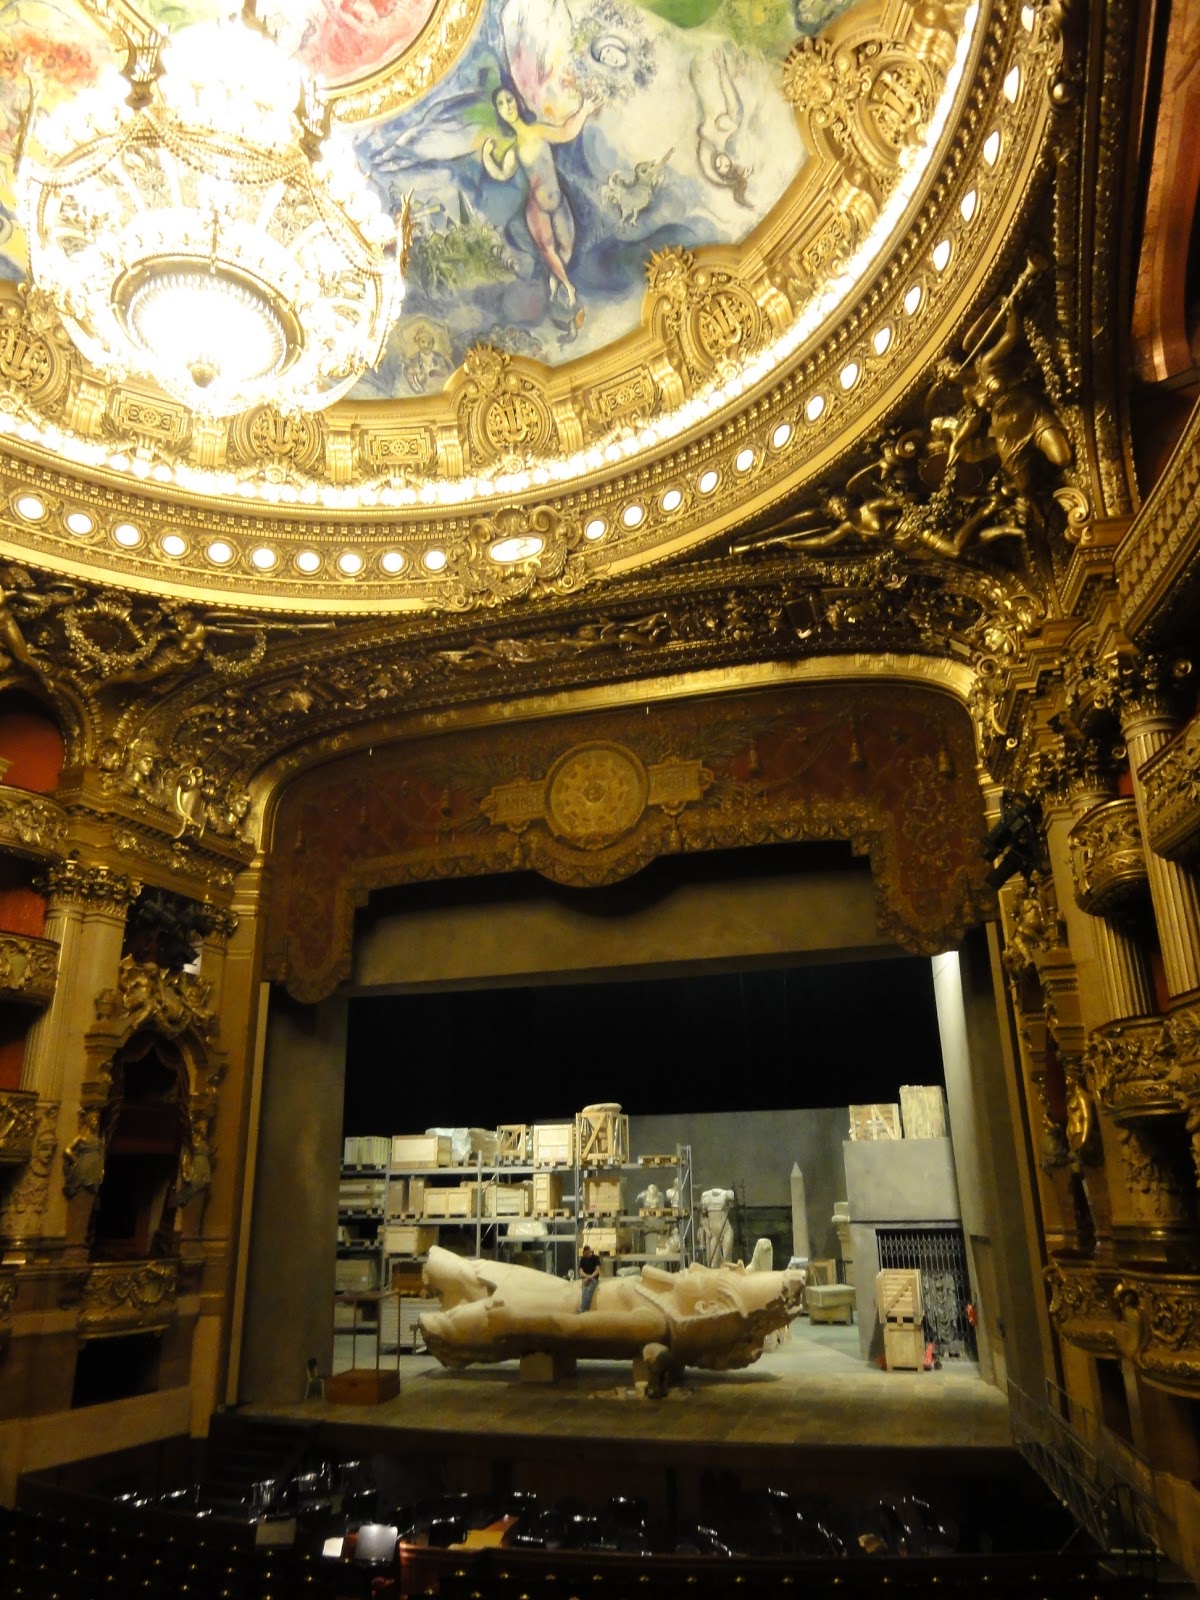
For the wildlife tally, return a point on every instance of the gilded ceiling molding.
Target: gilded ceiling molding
(348, 685)
(650, 490)
(888, 770)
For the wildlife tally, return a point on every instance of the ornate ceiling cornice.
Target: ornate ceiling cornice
(638, 501)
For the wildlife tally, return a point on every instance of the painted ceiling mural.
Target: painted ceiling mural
(569, 141)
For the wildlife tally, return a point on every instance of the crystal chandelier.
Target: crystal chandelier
(195, 222)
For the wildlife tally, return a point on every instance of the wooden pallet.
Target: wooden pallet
(659, 1211)
(658, 1161)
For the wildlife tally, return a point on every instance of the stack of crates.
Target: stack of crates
(902, 1313)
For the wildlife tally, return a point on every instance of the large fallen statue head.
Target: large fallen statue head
(714, 1317)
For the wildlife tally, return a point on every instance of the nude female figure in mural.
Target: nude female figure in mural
(547, 211)
(720, 121)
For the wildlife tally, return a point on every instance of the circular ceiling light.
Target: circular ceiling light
(392, 561)
(31, 508)
(79, 523)
(173, 545)
(264, 558)
(672, 500)
(219, 552)
(595, 529)
(350, 563)
(195, 222)
(127, 535)
(308, 561)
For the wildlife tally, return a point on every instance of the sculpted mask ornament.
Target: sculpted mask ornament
(26, 1198)
(171, 1002)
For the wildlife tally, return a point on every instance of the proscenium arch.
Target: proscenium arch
(895, 775)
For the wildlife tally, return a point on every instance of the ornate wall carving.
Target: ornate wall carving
(28, 968)
(24, 1203)
(1107, 859)
(887, 769)
(121, 1297)
(31, 824)
(18, 1125)
(1171, 782)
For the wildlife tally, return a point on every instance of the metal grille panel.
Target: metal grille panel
(940, 1256)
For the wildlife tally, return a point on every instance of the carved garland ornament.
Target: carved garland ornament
(121, 1297)
(1083, 1307)
(1163, 1316)
(171, 1002)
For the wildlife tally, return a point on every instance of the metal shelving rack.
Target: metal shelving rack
(682, 1216)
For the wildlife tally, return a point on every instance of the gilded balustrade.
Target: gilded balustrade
(1107, 860)
(1172, 788)
(31, 825)
(28, 968)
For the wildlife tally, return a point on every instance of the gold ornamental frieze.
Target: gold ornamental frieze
(124, 1297)
(754, 366)
(1171, 781)
(1131, 1069)
(596, 794)
(76, 883)
(1161, 1332)
(1108, 862)
(31, 824)
(18, 1125)
(28, 968)
(1083, 1306)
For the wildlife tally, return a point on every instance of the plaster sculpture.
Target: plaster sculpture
(650, 1199)
(716, 1231)
(717, 1319)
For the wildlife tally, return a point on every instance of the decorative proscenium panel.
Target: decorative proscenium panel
(589, 800)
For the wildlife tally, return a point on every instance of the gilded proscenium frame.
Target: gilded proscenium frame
(747, 423)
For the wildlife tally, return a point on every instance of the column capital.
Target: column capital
(97, 888)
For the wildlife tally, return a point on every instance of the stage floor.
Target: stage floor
(813, 1390)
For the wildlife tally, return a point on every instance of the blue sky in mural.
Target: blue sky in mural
(571, 140)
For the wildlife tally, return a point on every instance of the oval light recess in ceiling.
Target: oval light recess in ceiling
(79, 523)
(219, 552)
(308, 561)
(672, 500)
(941, 255)
(521, 547)
(708, 481)
(595, 529)
(350, 563)
(781, 435)
(264, 558)
(30, 507)
(173, 544)
(434, 559)
(392, 561)
(126, 534)
(814, 406)
(633, 515)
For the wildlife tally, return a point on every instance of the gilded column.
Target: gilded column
(1148, 724)
(86, 915)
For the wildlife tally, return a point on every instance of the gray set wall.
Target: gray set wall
(757, 1149)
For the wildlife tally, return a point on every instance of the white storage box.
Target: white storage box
(421, 1150)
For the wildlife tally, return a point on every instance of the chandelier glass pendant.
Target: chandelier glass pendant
(196, 223)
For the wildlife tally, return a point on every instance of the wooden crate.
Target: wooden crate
(603, 1197)
(408, 1278)
(898, 1295)
(547, 1193)
(602, 1135)
(923, 1111)
(875, 1122)
(396, 1201)
(904, 1346)
(356, 1272)
(421, 1150)
(829, 1302)
(363, 1386)
(415, 1204)
(606, 1241)
(508, 1199)
(554, 1144)
(443, 1203)
(402, 1239)
(512, 1142)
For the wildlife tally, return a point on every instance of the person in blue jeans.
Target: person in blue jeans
(589, 1274)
